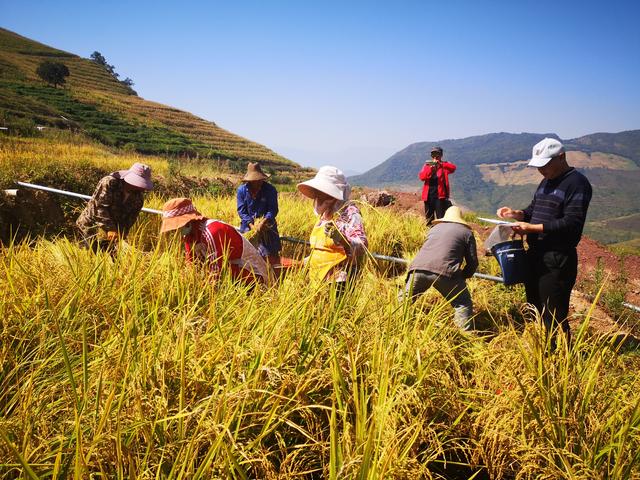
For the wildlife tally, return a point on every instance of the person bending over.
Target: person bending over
(213, 243)
(447, 258)
(114, 207)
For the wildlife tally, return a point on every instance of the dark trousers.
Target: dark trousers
(435, 208)
(454, 290)
(551, 277)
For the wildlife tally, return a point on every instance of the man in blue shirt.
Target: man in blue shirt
(553, 223)
(257, 203)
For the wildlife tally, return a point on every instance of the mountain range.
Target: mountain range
(492, 171)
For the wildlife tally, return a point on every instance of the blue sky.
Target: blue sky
(350, 83)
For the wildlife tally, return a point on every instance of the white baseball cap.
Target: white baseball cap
(544, 151)
(329, 180)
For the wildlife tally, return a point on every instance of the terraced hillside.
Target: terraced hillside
(98, 105)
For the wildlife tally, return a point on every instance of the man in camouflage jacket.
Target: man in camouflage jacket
(114, 206)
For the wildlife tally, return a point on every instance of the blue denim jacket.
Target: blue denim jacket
(264, 205)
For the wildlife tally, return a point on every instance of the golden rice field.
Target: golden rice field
(141, 366)
(22, 158)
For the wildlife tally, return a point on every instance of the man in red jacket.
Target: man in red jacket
(435, 193)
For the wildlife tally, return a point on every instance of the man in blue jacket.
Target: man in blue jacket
(257, 203)
(553, 223)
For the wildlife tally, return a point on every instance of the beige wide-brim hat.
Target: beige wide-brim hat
(254, 173)
(329, 180)
(452, 215)
(139, 175)
(177, 212)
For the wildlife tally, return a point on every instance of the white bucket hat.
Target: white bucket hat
(329, 180)
(544, 151)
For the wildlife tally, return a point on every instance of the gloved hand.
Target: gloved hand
(112, 236)
(331, 231)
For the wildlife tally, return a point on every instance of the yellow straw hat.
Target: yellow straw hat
(452, 215)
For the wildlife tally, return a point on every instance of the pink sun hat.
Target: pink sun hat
(139, 175)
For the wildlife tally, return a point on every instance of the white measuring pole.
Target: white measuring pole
(72, 194)
(491, 220)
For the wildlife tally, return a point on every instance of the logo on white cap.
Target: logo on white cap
(544, 151)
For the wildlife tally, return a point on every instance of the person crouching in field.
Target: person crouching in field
(257, 204)
(213, 243)
(439, 264)
(338, 240)
(114, 207)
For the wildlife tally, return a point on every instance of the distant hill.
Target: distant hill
(97, 104)
(492, 171)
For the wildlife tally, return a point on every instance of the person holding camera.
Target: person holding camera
(435, 192)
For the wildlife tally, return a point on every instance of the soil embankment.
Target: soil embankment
(28, 212)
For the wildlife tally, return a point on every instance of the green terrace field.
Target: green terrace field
(142, 366)
(20, 56)
(94, 103)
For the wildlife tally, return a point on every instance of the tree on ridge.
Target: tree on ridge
(98, 58)
(53, 73)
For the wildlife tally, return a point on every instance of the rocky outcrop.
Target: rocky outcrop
(380, 198)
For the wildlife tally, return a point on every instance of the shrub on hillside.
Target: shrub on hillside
(21, 127)
(53, 73)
